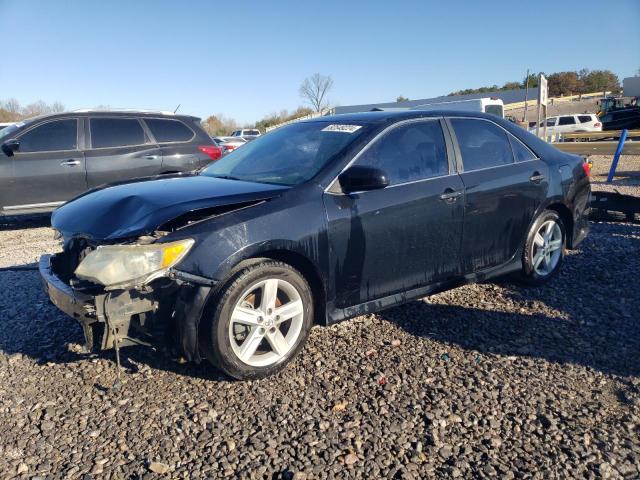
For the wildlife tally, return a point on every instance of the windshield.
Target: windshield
(289, 155)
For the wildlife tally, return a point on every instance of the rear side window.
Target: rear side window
(482, 144)
(585, 118)
(551, 122)
(51, 136)
(567, 121)
(251, 132)
(520, 151)
(415, 151)
(169, 130)
(116, 132)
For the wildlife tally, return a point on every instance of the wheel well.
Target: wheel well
(311, 275)
(567, 220)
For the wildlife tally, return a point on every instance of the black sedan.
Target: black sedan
(314, 223)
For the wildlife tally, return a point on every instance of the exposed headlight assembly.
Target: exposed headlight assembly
(121, 265)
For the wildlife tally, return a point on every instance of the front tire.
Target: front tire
(544, 248)
(259, 320)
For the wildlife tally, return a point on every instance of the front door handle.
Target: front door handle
(450, 195)
(151, 157)
(70, 163)
(537, 177)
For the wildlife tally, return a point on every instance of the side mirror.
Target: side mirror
(361, 178)
(10, 147)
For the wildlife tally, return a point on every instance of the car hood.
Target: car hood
(140, 207)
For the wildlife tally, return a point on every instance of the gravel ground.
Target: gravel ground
(484, 381)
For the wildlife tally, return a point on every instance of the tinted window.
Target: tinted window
(585, 118)
(521, 152)
(251, 132)
(482, 144)
(551, 122)
(289, 155)
(414, 151)
(51, 136)
(169, 130)
(116, 132)
(567, 121)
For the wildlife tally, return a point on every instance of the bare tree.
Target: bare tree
(314, 90)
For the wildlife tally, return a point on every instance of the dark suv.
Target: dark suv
(47, 160)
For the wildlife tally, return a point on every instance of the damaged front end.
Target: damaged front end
(163, 308)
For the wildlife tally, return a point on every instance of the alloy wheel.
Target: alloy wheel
(547, 248)
(266, 322)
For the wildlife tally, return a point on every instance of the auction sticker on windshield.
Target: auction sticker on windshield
(342, 128)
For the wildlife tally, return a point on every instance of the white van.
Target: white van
(492, 105)
(573, 123)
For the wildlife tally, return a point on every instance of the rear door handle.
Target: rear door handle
(536, 177)
(450, 195)
(151, 157)
(70, 163)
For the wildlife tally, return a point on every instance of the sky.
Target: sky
(247, 59)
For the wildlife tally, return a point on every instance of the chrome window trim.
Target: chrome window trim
(457, 145)
(330, 188)
(33, 127)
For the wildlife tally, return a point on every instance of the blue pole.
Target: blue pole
(616, 156)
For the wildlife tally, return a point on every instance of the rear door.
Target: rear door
(119, 149)
(174, 138)
(504, 183)
(48, 168)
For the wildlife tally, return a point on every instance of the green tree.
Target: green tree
(564, 83)
(600, 81)
(401, 98)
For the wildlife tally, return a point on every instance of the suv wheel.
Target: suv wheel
(259, 320)
(544, 248)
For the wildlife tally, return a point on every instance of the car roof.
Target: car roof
(113, 113)
(390, 116)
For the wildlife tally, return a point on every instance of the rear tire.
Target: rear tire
(259, 320)
(544, 249)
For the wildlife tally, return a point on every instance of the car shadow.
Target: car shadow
(28, 221)
(492, 332)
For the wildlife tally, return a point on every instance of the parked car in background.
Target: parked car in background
(628, 118)
(580, 122)
(319, 221)
(247, 133)
(229, 144)
(47, 160)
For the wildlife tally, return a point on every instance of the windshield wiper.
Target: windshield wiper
(227, 177)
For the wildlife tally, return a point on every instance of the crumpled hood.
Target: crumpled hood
(140, 207)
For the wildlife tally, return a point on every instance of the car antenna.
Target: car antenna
(177, 108)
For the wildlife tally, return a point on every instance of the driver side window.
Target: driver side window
(52, 136)
(410, 152)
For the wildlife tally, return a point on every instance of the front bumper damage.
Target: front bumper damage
(167, 312)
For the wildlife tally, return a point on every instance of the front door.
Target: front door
(406, 235)
(502, 192)
(120, 150)
(48, 168)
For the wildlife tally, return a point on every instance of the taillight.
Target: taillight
(212, 151)
(586, 166)
(597, 124)
(228, 148)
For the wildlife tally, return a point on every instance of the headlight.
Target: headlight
(116, 265)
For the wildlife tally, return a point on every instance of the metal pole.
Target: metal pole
(616, 156)
(526, 98)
